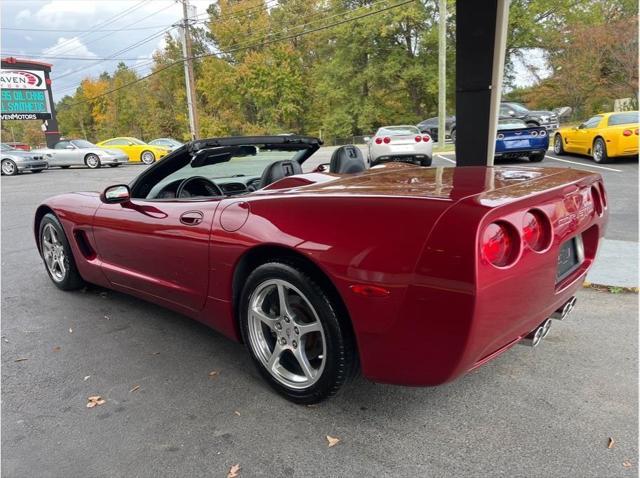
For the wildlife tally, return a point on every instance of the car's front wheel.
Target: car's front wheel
(536, 158)
(9, 167)
(558, 148)
(296, 338)
(147, 157)
(56, 254)
(92, 161)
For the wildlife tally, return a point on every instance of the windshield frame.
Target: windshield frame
(74, 142)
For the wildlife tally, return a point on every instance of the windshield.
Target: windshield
(238, 168)
(511, 124)
(397, 130)
(623, 118)
(135, 141)
(82, 144)
(518, 108)
(6, 147)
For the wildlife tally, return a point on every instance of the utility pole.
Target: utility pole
(188, 72)
(442, 72)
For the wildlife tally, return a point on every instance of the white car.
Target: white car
(400, 143)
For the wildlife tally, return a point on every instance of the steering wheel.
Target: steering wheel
(254, 184)
(198, 186)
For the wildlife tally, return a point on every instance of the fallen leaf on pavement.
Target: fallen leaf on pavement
(234, 471)
(213, 373)
(237, 412)
(332, 441)
(137, 387)
(626, 464)
(56, 349)
(107, 317)
(155, 353)
(94, 401)
(86, 377)
(21, 359)
(611, 443)
(70, 331)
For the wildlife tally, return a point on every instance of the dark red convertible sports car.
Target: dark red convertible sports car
(414, 275)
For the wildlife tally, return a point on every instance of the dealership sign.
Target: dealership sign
(24, 95)
(22, 80)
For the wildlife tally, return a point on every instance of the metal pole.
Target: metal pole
(499, 48)
(188, 72)
(442, 73)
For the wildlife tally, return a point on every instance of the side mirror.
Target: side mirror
(582, 126)
(367, 139)
(130, 143)
(115, 194)
(69, 146)
(512, 113)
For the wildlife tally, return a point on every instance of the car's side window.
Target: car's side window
(61, 145)
(592, 122)
(121, 142)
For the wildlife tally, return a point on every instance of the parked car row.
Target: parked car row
(17, 157)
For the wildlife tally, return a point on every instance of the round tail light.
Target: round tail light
(500, 244)
(386, 140)
(543, 133)
(418, 139)
(378, 140)
(627, 132)
(536, 230)
(534, 133)
(500, 136)
(426, 139)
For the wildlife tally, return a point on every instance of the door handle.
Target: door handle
(191, 218)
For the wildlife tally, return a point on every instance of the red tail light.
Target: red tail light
(378, 140)
(627, 132)
(536, 230)
(387, 140)
(418, 139)
(500, 244)
(426, 139)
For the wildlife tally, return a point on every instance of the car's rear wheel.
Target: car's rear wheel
(147, 157)
(299, 344)
(453, 136)
(599, 151)
(92, 161)
(558, 147)
(536, 158)
(56, 254)
(8, 167)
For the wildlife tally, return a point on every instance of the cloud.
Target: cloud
(63, 13)
(23, 16)
(69, 46)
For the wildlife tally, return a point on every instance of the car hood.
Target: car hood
(542, 113)
(495, 184)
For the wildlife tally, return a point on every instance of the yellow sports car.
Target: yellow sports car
(602, 137)
(136, 150)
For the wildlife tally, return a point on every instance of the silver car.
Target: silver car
(170, 143)
(400, 143)
(79, 152)
(15, 161)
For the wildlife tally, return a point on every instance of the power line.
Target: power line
(265, 43)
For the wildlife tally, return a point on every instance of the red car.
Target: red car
(415, 275)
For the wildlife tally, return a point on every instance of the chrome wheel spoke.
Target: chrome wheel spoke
(264, 318)
(303, 361)
(61, 266)
(283, 301)
(274, 360)
(309, 328)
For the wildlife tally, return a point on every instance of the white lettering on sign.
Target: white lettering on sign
(22, 79)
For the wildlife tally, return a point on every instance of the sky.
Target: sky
(67, 34)
(70, 28)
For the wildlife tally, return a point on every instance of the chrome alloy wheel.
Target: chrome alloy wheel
(54, 255)
(148, 157)
(286, 334)
(93, 161)
(8, 167)
(557, 144)
(598, 150)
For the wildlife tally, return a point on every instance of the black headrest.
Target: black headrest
(346, 160)
(278, 170)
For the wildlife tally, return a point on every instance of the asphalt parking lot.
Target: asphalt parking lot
(541, 412)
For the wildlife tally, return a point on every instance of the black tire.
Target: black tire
(341, 356)
(426, 162)
(147, 157)
(65, 167)
(114, 165)
(71, 279)
(92, 161)
(536, 158)
(8, 168)
(599, 157)
(533, 124)
(453, 136)
(558, 145)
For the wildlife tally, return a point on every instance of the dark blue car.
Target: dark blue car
(517, 140)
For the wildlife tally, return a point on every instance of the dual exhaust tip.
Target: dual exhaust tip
(533, 338)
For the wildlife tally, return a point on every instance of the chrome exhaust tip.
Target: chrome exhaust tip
(546, 326)
(533, 338)
(565, 310)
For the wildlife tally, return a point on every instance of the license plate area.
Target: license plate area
(570, 256)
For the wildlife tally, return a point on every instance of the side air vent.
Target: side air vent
(84, 245)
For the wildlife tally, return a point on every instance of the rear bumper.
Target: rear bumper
(519, 153)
